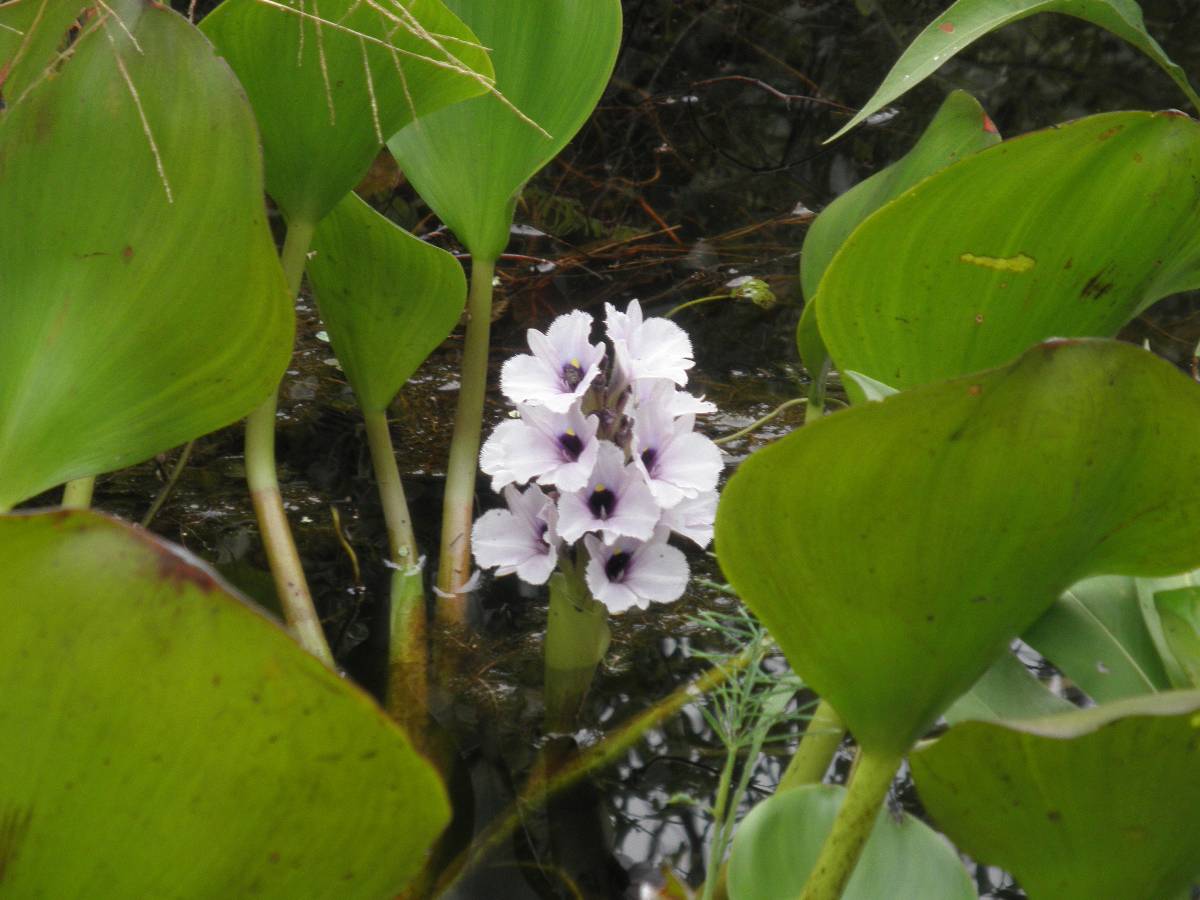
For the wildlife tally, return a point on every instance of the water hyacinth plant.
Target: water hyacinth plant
(605, 447)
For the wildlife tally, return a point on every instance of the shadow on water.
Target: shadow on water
(703, 163)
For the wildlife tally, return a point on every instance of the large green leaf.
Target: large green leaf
(960, 128)
(331, 81)
(951, 516)
(968, 20)
(387, 298)
(1066, 232)
(162, 739)
(470, 161)
(1094, 634)
(1102, 802)
(143, 303)
(778, 842)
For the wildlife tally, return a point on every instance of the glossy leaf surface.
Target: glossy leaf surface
(951, 516)
(148, 307)
(470, 161)
(777, 844)
(1102, 802)
(1148, 592)
(1031, 239)
(163, 739)
(1095, 635)
(968, 20)
(960, 128)
(387, 298)
(329, 92)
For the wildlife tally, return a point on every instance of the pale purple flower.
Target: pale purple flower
(650, 348)
(677, 462)
(521, 539)
(633, 573)
(554, 448)
(681, 403)
(616, 501)
(562, 367)
(693, 518)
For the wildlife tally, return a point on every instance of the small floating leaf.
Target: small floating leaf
(187, 746)
(947, 518)
(1102, 802)
(778, 842)
(968, 20)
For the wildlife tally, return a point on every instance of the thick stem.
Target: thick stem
(284, 559)
(869, 783)
(78, 493)
(407, 687)
(821, 739)
(458, 506)
(577, 638)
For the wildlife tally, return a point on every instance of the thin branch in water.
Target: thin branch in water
(172, 480)
(146, 129)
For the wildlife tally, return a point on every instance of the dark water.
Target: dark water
(702, 164)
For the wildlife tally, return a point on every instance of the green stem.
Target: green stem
(78, 493)
(284, 559)
(406, 698)
(821, 739)
(721, 824)
(781, 408)
(868, 787)
(167, 488)
(576, 640)
(682, 306)
(458, 506)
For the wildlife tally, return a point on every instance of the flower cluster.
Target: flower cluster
(605, 447)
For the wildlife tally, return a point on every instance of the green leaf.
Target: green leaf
(1179, 612)
(1102, 802)
(1007, 690)
(31, 35)
(951, 516)
(867, 387)
(1148, 590)
(1095, 635)
(387, 298)
(329, 88)
(968, 20)
(1028, 240)
(187, 746)
(960, 128)
(777, 844)
(148, 307)
(470, 161)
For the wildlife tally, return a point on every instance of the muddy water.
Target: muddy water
(703, 163)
